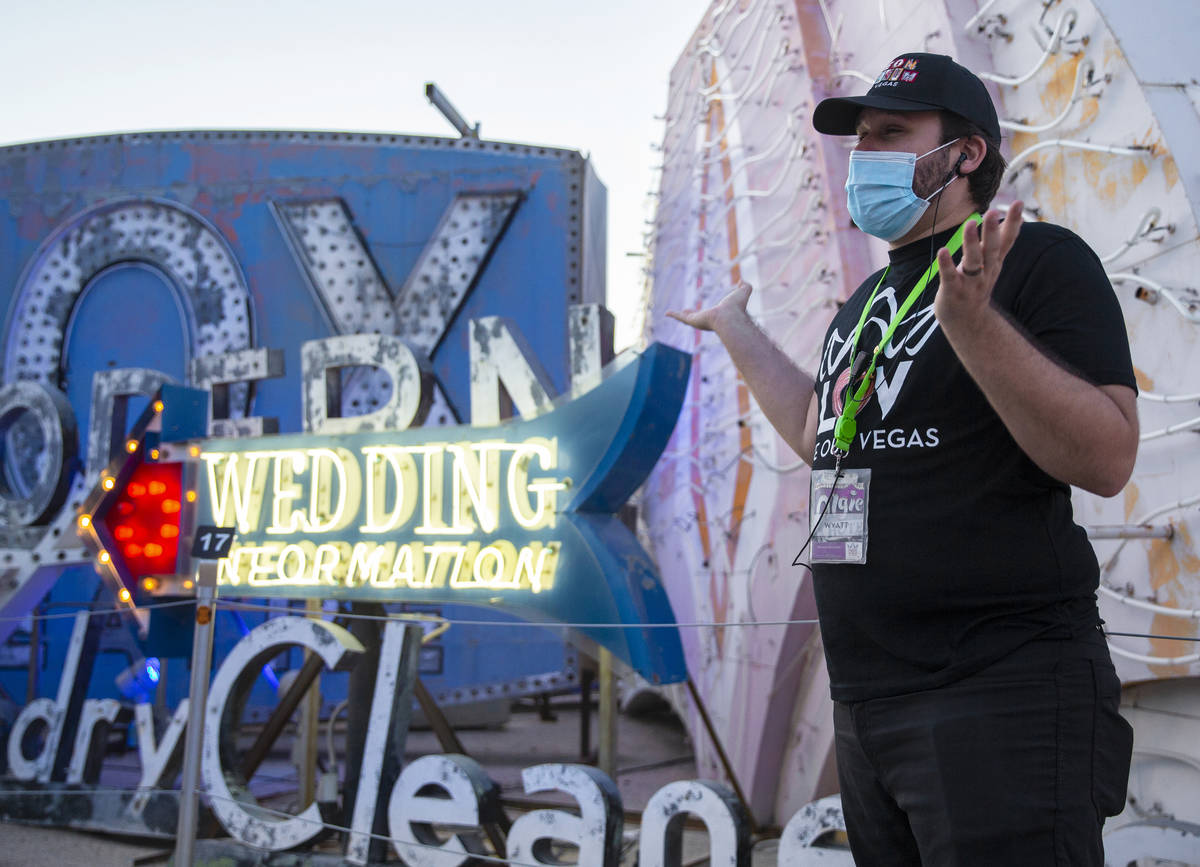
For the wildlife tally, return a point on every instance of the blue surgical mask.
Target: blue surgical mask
(879, 192)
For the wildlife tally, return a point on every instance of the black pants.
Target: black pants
(1016, 765)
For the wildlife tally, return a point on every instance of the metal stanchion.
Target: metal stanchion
(202, 642)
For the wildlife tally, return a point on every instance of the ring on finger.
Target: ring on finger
(972, 272)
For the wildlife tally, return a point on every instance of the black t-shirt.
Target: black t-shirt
(972, 550)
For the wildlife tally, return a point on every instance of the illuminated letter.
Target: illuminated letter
(475, 473)
(596, 831)
(466, 797)
(665, 813)
(404, 470)
(329, 563)
(238, 495)
(228, 571)
(285, 519)
(262, 562)
(437, 567)
(493, 566)
(539, 575)
(409, 566)
(433, 492)
(326, 462)
(544, 489)
(367, 561)
(233, 681)
(302, 553)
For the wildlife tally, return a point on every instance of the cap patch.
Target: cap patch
(902, 69)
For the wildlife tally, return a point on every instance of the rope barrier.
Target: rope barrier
(122, 610)
(432, 618)
(417, 615)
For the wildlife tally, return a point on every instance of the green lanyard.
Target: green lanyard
(845, 429)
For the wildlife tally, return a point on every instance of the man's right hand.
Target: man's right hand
(784, 392)
(706, 318)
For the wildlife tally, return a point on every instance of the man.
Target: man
(957, 398)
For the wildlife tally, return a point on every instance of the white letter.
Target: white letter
(473, 799)
(233, 680)
(596, 830)
(719, 809)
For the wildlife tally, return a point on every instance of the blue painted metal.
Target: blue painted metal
(396, 189)
(185, 413)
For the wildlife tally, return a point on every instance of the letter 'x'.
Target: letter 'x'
(354, 295)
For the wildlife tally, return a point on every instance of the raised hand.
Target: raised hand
(965, 292)
(706, 318)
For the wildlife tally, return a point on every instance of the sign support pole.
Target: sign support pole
(310, 721)
(202, 642)
(607, 750)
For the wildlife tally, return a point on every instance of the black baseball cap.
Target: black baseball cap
(915, 82)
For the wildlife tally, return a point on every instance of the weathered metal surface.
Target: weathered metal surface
(596, 831)
(161, 756)
(91, 737)
(748, 192)
(467, 797)
(226, 698)
(383, 751)
(591, 345)
(216, 373)
(165, 234)
(811, 826)
(111, 391)
(39, 428)
(500, 356)
(60, 806)
(728, 825)
(408, 396)
(61, 718)
(450, 264)
(1163, 840)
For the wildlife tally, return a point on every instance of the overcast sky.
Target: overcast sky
(589, 76)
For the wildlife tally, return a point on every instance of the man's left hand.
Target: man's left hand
(965, 292)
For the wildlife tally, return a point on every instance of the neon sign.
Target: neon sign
(518, 515)
(422, 492)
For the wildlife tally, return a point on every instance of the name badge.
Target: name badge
(840, 516)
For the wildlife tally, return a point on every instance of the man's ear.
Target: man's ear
(973, 152)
